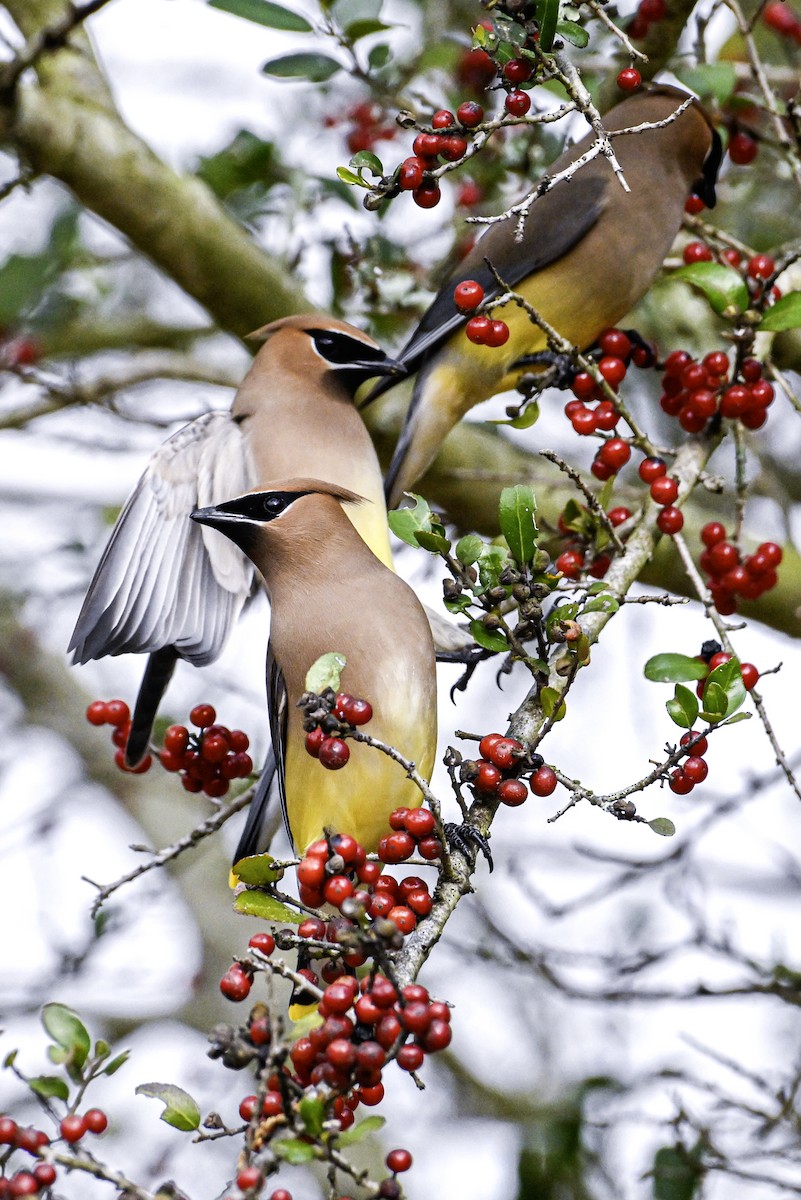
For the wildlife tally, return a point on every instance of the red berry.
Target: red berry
(717, 660)
(670, 520)
(429, 848)
(697, 252)
(780, 17)
(337, 888)
(235, 984)
(96, 713)
(396, 847)
(453, 148)
(651, 469)
(517, 70)
(615, 343)
(679, 783)
(333, 753)
(543, 781)
(504, 753)
(694, 205)
(248, 1179)
(615, 453)
(398, 1160)
(410, 1057)
(442, 119)
(410, 174)
(664, 490)
(617, 516)
(488, 777)
(629, 79)
(701, 745)
(606, 416)
(468, 294)
(742, 149)
(427, 145)
(372, 1095)
(761, 266)
(23, 1183)
(420, 823)
(498, 334)
(72, 1128)
(511, 792)
(583, 421)
(695, 769)
(722, 557)
(517, 103)
(427, 195)
(96, 1120)
(176, 739)
(733, 257)
(44, 1174)
(469, 194)
(570, 563)
(263, 942)
(478, 329)
(750, 675)
(470, 114)
(612, 369)
(583, 385)
(202, 715)
(712, 533)
(476, 70)
(117, 713)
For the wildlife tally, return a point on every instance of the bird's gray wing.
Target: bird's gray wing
(277, 705)
(164, 580)
(261, 823)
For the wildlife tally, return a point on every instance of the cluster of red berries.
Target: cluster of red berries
(209, 760)
(324, 724)
(573, 560)
(481, 329)
(693, 769)
(368, 125)
(664, 491)
(447, 141)
(649, 12)
(19, 350)
(731, 575)
(500, 769)
(33, 1141)
(755, 271)
(779, 17)
(117, 714)
(617, 353)
(695, 391)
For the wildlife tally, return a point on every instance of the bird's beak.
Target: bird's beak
(379, 366)
(705, 186)
(392, 371)
(218, 518)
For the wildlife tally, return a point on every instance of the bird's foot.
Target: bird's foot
(468, 841)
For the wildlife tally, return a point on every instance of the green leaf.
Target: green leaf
(728, 677)
(360, 29)
(357, 1132)
(605, 603)
(491, 564)
(351, 177)
(180, 1110)
(49, 1086)
(784, 314)
(365, 160)
(710, 79)
(663, 826)
(490, 639)
(246, 161)
(264, 12)
(259, 904)
(313, 68)
(70, 1035)
(516, 509)
(740, 716)
(325, 672)
(676, 1174)
(683, 708)
(715, 703)
(459, 605)
(574, 33)
(102, 1049)
(10, 1058)
(468, 549)
(293, 1150)
(547, 18)
(552, 702)
(674, 668)
(528, 417)
(378, 57)
(312, 1113)
(405, 523)
(435, 543)
(723, 287)
(115, 1064)
(257, 870)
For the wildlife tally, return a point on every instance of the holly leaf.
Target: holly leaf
(49, 1086)
(547, 18)
(115, 1064)
(311, 68)
(574, 33)
(468, 549)
(325, 672)
(491, 564)
(663, 826)
(710, 79)
(293, 1150)
(490, 639)
(604, 603)
(552, 702)
(260, 904)
(524, 420)
(516, 509)
(257, 870)
(71, 1037)
(312, 1114)
(264, 12)
(357, 1133)
(674, 668)
(683, 708)
(180, 1110)
(434, 543)
(723, 287)
(405, 523)
(784, 314)
(715, 703)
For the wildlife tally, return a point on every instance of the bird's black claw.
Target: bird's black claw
(471, 656)
(468, 841)
(562, 365)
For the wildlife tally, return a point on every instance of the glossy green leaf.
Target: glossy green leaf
(491, 564)
(313, 68)
(434, 543)
(710, 79)
(180, 1110)
(676, 1174)
(715, 703)
(246, 161)
(547, 18)
(516, 509)
(326, 672)
(257, 869)
(528, 417)
(293, 1150)
(663, 826)
(405, 523)
(490, 639)
(723, 287)
(571, 32)
(102, 1049)
(458, 606)
(115, 1064)
(10, 1058)
(365, 160)
(683, 708)
(552, 702)
(357, 1133)
(604, 603)
(728, 676)
(260, 904)
(70, 1035)
(312, 1114)
(379, 56)
(360, 29)
(49, 1086)
(468, 549)
(674, 668)
(784, 314)
(351, 177)
(264, 12)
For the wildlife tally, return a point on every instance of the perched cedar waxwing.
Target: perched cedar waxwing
(329, 592)
(589, 252)
(172, 589)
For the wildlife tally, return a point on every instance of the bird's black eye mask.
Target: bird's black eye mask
(342, 350)
(260, 506)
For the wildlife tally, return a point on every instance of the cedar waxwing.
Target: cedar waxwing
(172, 589)
(589, 252)
(329, 592)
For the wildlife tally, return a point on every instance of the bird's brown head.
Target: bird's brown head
(315, 344)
